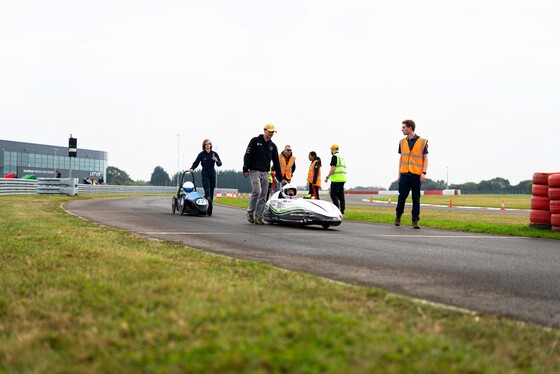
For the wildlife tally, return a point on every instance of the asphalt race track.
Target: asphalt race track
(516, 277)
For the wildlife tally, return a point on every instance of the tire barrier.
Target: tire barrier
(540, 217)
(554, 197)
(554, 206)
(540, 202)
(554, 193)
(540, 190)
(554, 180)
(541, 178)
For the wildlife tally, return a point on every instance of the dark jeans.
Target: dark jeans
(407, 183)
(337, 195)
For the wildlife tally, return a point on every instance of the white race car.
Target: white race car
(285, 208)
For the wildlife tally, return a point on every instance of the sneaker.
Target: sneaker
(250, 218)
(415, 224)
(397, 220)
(259, 221)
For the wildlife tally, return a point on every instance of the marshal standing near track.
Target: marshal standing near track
(413, 166)
(287, 163)
(337, 174)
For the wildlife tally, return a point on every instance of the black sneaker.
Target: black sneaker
(415, 224)
(397, 220)
(250, 218)
(259, 221)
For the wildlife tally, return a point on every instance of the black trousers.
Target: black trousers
(337, 195)
(209, 184)
(313, 191)
(409, 183)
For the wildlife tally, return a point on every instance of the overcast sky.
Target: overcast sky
(481, 79)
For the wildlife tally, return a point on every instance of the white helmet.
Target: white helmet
(188, 186)
(289, 190)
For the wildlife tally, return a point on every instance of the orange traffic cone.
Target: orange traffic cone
(503, 206)
(451, 203)
(371, 199)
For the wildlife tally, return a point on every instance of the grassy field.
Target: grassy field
(487, 201)
(81, 298)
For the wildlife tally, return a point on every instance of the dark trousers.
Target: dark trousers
(409, 183)
(337, 195)
(209, 184)
(314, 191)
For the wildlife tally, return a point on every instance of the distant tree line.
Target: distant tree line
(225, 178)
(235, 179)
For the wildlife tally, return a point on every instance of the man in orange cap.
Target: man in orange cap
(256, 165)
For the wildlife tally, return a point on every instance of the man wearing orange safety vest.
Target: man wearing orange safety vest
(314, 175)
(287, 163)
(413, 166)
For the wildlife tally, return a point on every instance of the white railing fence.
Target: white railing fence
(70, 186)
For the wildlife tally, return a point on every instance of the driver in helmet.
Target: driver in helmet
(188, 187)
(288, 191)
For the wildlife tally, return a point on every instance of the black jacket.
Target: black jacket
(259, 154)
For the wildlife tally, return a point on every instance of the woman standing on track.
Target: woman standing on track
(208, 158)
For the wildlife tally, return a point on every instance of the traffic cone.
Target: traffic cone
(503, 206)
(389, 202)
(219, 195)
(371, 199)
(451, 203)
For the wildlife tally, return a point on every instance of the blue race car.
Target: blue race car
(188, 200)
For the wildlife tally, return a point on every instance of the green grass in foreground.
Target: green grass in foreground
(497, 223)
(81, 298)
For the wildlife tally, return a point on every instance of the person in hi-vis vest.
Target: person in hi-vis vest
(413, 166)
(314, 175)
(337, 175)
(287, 163)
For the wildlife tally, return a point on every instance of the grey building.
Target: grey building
(44, 161)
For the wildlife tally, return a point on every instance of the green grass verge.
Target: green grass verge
(81, 298)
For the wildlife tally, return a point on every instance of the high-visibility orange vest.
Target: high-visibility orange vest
(311, 173)
(413, 159)
(286, 167)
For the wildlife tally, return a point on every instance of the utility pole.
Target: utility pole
(178, 137)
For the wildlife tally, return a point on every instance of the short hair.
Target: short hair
(409, 123)
(313, 153)
(206, 141)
